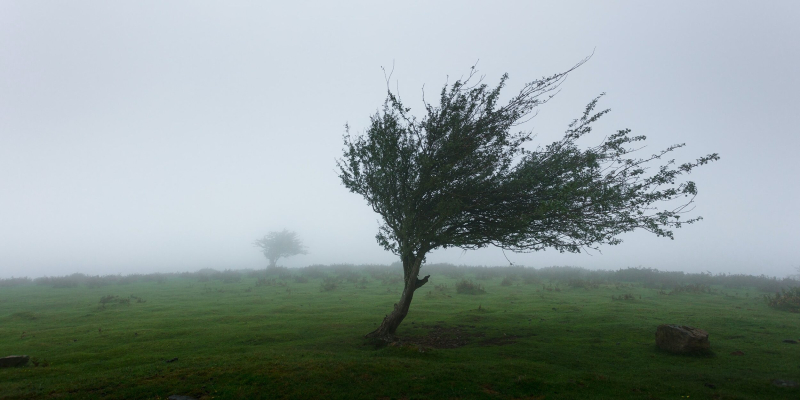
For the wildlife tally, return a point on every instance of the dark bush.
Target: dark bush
(9, 282)
(110, 299)
(138, 299)
(786, 300)
(698, 288)
(362, 284)
(469, 287)
(328, 284)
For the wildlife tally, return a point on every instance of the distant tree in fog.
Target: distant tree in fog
(459, 177)
(279, 244)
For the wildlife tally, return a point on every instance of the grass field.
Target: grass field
(301, 336)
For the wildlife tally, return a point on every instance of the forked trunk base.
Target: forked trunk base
(386, 331)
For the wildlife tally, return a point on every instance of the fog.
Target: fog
(168, 136)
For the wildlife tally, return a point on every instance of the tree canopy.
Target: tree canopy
(279, 244)
(461, 176)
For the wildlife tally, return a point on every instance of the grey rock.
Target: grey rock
(682, 339)
(13, 361)
(784, 383)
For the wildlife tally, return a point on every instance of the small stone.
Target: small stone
(172, 360)
(13, 361)
(784, 383)
(682, 339)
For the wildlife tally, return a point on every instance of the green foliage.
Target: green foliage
(112, 299)
(329, 284)
(458, 176)
(693, 288)
(362, 284)
(786, 300)
(468, 287)
(348, 276)
(551, 288)
(11, 282)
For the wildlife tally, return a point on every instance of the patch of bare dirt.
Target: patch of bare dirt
(500, 340)
(440, 336)
(443, 337)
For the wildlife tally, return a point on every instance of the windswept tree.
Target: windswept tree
(279, 244)
(460, 176)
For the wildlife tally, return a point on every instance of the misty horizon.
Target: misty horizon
(166, 138)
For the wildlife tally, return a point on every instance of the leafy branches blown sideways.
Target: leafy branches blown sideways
(460, 177)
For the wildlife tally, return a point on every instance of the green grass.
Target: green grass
(536, 341)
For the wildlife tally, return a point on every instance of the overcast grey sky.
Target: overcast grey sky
(168, 136)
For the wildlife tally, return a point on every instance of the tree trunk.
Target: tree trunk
(386, 331)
